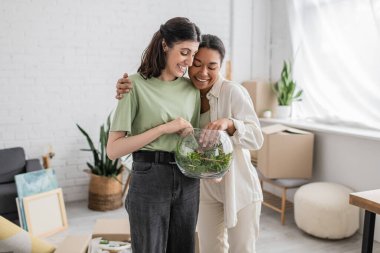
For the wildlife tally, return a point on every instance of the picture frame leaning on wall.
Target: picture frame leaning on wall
(45, 213)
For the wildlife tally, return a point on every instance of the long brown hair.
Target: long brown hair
(153, 59)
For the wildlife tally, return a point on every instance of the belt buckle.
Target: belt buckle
(172, 157)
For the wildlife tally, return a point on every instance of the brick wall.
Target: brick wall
(59, 61)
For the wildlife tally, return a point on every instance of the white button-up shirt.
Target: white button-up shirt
(241, 184)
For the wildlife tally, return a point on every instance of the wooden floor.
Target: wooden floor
(288, 238)
(273, 236)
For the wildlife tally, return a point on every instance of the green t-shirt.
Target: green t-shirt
(153, 102)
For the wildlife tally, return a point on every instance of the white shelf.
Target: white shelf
(326, 128)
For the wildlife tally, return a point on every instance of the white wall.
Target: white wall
(241, 39)
(261, 37)
(59, 62)
(280, 40)
(260, 51)
(250, 39)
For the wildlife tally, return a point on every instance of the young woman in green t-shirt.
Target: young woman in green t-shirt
(162, 203)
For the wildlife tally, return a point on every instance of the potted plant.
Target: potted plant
(285, 90)
(105, 190)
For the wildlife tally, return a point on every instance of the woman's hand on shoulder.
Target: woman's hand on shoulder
(123, 85)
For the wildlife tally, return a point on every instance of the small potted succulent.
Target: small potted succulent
(286, 93)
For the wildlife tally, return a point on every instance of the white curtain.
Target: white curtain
(336, 60)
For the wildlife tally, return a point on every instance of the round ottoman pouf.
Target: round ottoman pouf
(322, 210)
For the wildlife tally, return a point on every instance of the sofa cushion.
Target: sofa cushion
(8, 194)
(12, 162)
(33, 165)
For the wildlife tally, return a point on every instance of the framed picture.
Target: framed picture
(35, 182)
(31, 183)
(45, 213)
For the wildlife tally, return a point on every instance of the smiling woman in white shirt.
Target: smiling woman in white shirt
(234, 204)
(230, 207)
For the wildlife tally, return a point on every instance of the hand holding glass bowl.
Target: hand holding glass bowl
(204, 153)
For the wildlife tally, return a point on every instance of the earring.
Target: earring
(164, 47)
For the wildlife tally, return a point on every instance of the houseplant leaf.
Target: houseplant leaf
(285, 88)
(91, 144)
(102, 166)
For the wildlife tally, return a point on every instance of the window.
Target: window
(336, 50)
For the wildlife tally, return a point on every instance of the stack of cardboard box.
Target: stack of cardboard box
(263, 99)
(287, 152)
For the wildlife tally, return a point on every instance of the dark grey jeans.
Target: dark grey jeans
(162, 205)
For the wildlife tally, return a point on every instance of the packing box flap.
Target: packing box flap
(286, 153)
(277, 128)
(112, 229)
(273, 129)
(74, 244)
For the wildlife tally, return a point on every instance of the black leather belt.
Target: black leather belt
(154, 157)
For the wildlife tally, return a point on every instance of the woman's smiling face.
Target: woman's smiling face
(205, 69)
(179, 58)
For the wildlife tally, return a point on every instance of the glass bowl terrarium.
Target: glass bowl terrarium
(204, 153)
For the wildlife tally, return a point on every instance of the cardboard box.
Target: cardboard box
(74, 244)
(110, 229)
(262, 96)
(286, 153)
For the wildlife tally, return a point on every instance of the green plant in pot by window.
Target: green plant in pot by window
(285, 90)
(106, 178)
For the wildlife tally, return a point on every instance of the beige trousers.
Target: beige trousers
(214, 237)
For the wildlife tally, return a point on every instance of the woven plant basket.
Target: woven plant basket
(105, 193)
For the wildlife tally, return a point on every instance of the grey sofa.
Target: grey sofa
(13, 162)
